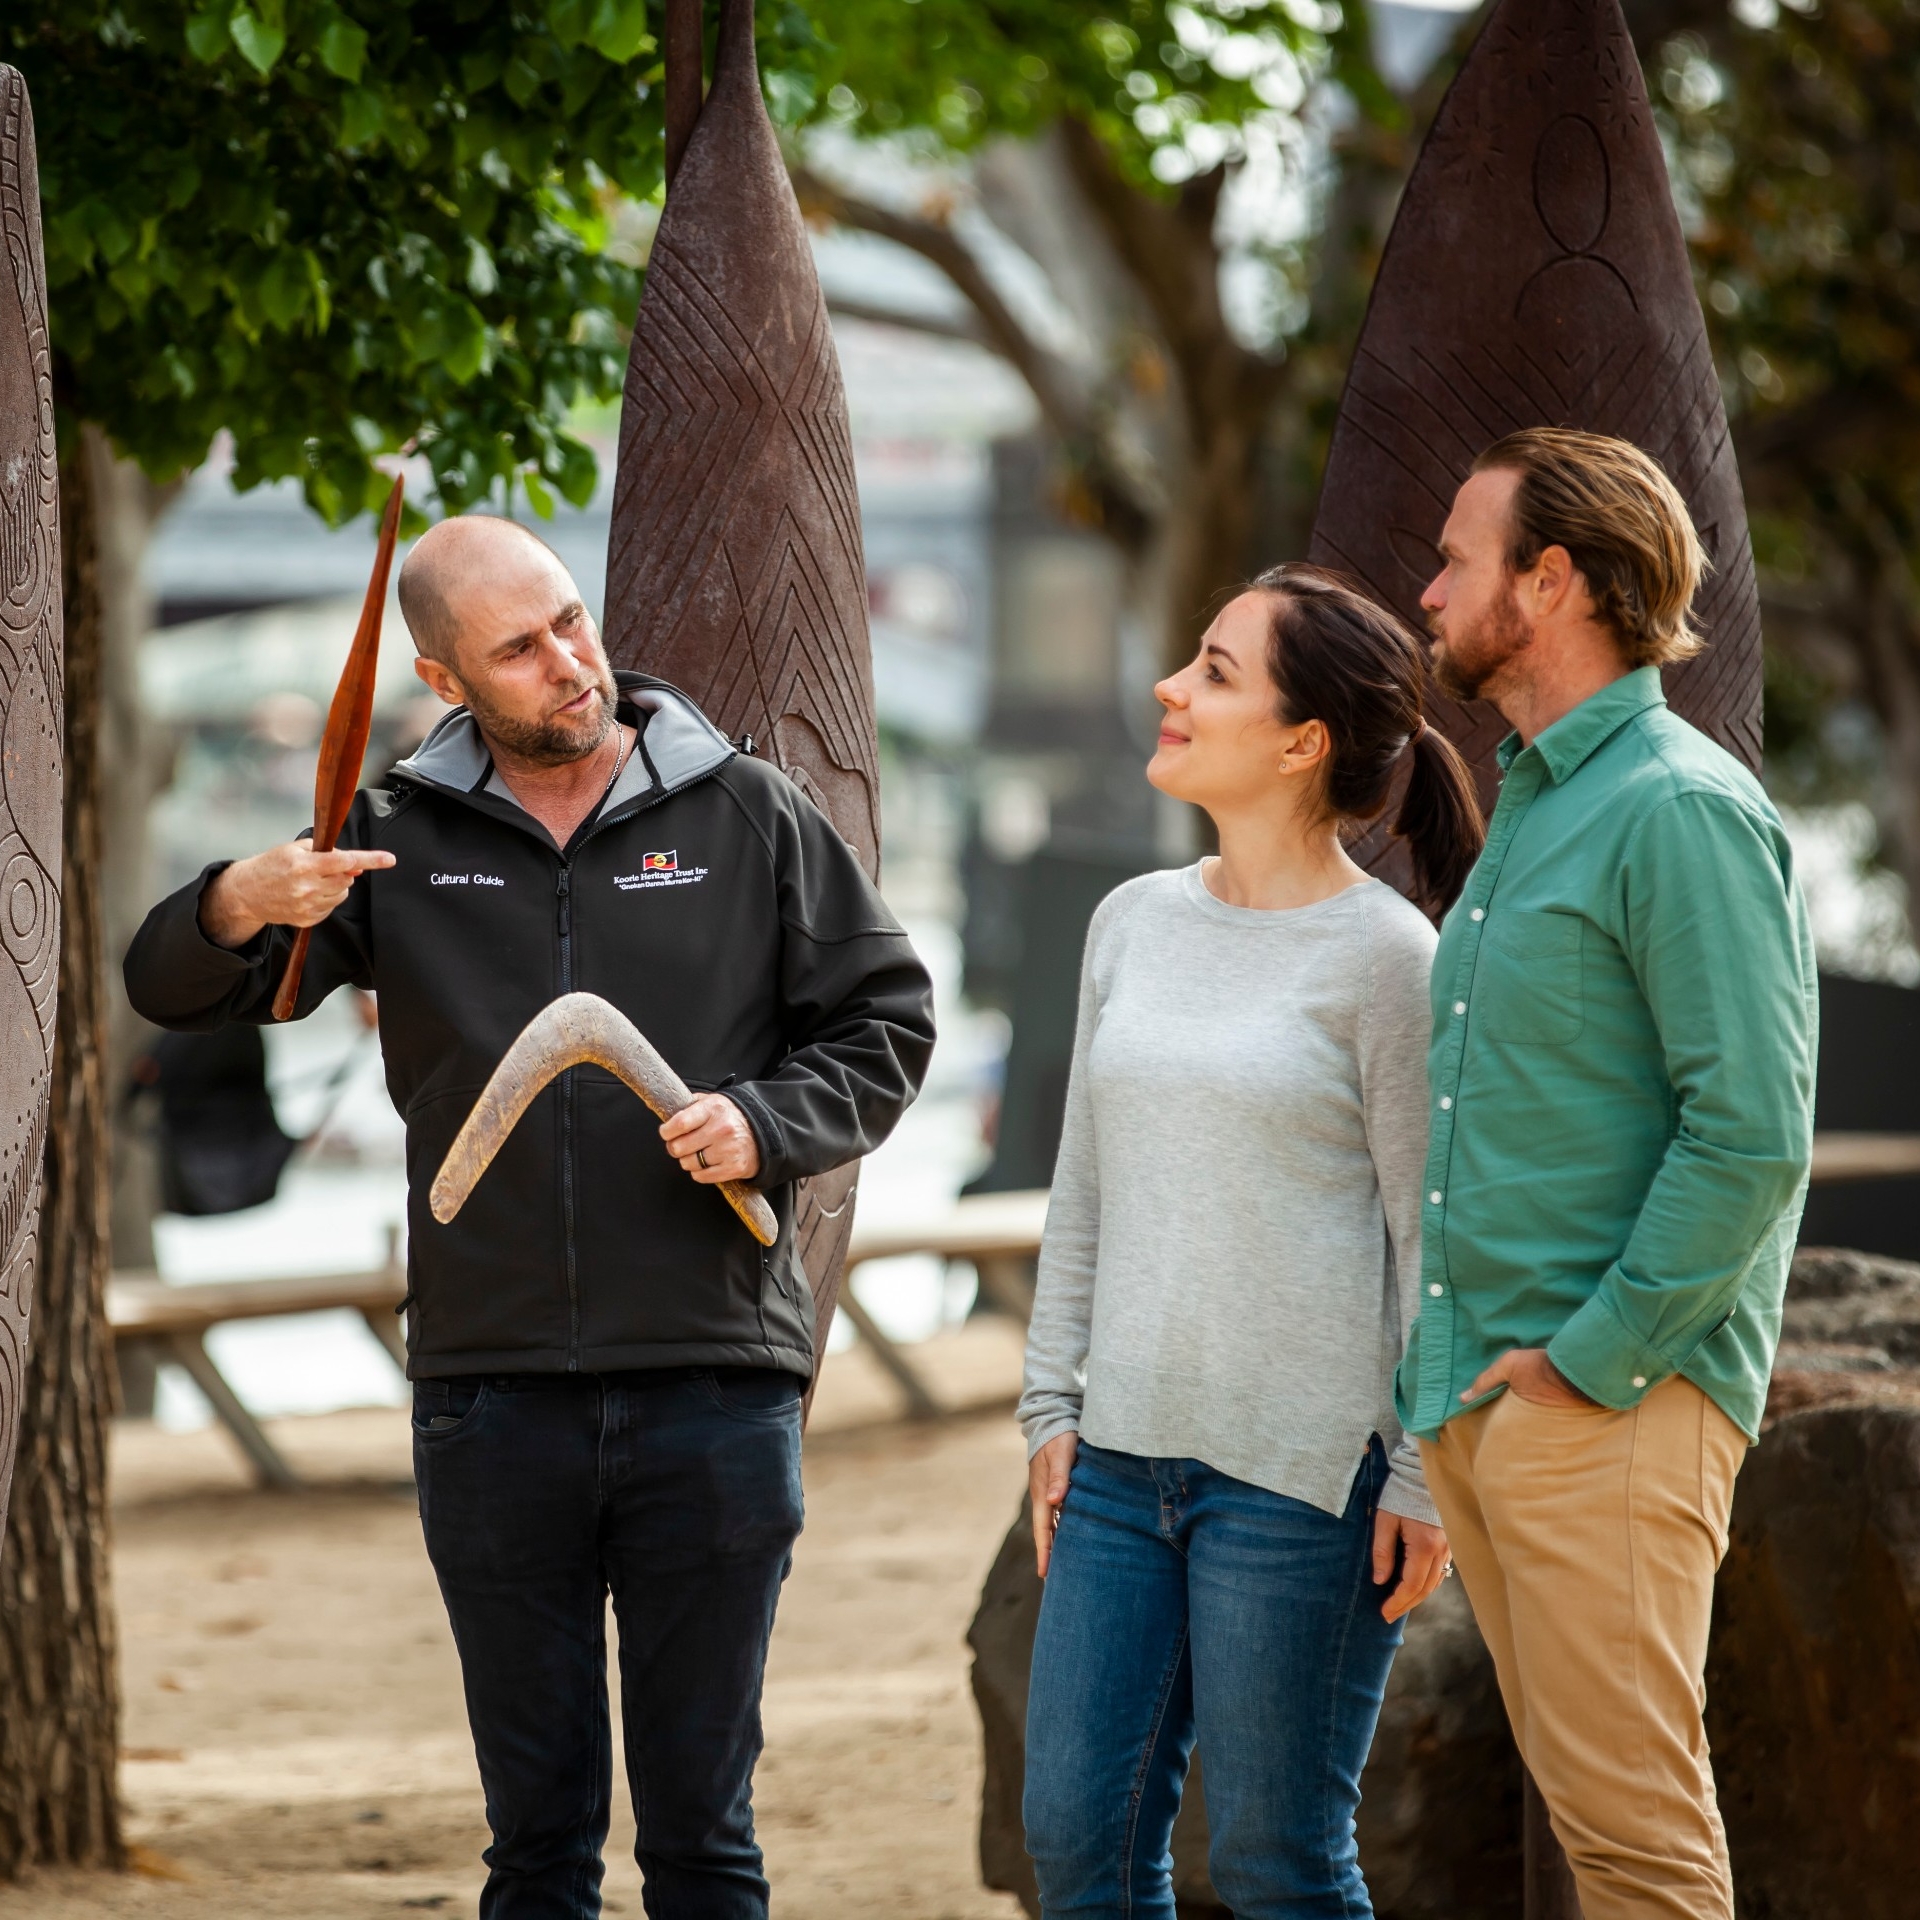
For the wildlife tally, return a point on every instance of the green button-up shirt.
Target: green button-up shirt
(1624, 1020)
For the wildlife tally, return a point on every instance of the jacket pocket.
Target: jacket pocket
(1528, 984)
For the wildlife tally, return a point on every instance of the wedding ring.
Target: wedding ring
(700, 1154)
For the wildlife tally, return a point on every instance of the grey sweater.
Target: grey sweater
(1232, 1252)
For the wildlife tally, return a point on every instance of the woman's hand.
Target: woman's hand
(712, 1141)
(1047, 1474)
(1425, 1560)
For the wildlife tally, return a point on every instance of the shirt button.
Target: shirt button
(1639, 1379)
(1436, 1289)
(1433, 1199)
(1459, 1006)
(1446, 1103)
(1479, 913)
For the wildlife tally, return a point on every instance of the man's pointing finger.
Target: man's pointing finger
(352, 860)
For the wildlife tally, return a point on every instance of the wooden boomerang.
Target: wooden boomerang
(576, 1029)
(344, 744)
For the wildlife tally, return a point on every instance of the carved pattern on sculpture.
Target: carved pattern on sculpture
(1536, 275)
(31, 732)
(735, 566)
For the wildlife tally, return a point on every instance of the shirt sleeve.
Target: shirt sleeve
(1716, 934)
(1061, 1326)
(1394, 1032)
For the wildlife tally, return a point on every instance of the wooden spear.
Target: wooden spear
(344, 745)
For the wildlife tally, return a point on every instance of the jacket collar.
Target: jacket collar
(1575, 737)
(678, 745)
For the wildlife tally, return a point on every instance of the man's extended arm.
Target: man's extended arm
(1717, 941)
(287, 886)
(214, 950)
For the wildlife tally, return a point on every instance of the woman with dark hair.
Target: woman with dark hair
(1228, 1519)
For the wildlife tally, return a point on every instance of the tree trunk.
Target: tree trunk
(133, 772)
(59, 1685)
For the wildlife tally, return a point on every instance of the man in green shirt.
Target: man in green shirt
(1622, 1082)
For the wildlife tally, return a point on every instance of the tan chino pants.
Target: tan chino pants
(1588, 1541)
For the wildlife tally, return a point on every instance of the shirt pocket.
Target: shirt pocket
(1529, 986)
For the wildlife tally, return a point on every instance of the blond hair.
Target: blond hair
(1623, 524)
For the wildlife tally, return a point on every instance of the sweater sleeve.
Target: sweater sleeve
(1061, 1326)
(1394, 1033)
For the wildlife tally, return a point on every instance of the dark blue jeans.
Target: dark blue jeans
(677, 1492)
(1183, 1601)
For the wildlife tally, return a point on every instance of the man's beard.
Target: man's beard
(1464, 662)
(559, 738)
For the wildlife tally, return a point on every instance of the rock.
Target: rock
(1001, 1637)
(1850, 1333)
(1813, 1680)
(1439, 1818)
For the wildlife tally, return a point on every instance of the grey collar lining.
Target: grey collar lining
(678, 739)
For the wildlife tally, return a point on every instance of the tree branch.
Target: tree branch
(1168, 249)
(1124, 507)
(930, 323)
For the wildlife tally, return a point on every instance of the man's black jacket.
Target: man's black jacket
(717, 908)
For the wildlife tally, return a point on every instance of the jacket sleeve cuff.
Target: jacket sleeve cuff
(776, 1168)
(1606, 1362)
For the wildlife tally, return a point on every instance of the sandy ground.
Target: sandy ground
(295, 1742)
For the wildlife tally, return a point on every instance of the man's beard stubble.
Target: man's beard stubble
(552, 742)
(1463, 663)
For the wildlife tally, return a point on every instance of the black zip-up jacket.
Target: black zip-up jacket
(717, 908)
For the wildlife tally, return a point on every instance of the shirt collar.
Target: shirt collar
(1575, 737)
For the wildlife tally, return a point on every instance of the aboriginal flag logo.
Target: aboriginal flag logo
(660, 863)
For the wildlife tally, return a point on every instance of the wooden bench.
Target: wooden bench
(173, 1321)
(1000, 1232)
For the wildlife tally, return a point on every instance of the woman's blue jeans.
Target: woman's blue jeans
(1183, 1602)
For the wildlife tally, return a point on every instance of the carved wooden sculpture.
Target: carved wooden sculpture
(735, 567)
(31, 734)
(1536, 276)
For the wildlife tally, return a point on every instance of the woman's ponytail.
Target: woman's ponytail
(1338, 657)
(1439, 819)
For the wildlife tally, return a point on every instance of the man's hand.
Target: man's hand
(290, 886)
(1424, 1560)
(1047, 1474)
(711, 1139)
(1528, 1372)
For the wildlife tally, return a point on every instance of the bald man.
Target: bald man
(607, 1368)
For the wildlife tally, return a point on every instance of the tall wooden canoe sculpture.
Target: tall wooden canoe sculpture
(31, 736)
(1536, 276)
(734, 568)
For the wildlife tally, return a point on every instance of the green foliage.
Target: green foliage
(339, 228)
(1165, 85)
(1800, 144)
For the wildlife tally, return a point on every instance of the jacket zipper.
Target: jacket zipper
(563, 892)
